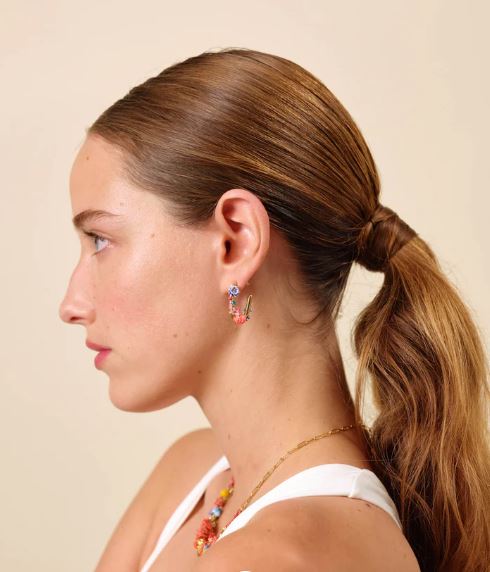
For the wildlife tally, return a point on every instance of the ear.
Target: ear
(243, 232)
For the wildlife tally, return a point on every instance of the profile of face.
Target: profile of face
(144, 286)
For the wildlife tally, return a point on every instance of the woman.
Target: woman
(234, 184)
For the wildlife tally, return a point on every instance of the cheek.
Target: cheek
(152, 301)
(161, 303)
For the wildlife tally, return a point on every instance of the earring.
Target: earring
(235, 313)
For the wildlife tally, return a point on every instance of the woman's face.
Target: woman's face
(144, 287)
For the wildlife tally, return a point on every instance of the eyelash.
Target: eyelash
(95, 236)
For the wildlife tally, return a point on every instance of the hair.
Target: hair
(237, 117)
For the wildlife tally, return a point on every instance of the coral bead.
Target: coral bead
(206, 534)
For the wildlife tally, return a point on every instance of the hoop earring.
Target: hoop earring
(237, 316)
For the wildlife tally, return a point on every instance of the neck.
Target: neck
(265, 407)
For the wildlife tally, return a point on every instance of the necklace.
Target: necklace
(206, 534)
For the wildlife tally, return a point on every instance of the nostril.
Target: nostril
(74, 318)
(67, 316)
(76, 311)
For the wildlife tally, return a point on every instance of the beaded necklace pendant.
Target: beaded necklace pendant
(207, 532)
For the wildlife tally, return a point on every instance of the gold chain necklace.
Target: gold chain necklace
(206, 535)
(282, 459)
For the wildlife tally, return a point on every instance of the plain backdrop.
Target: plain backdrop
(414, 75)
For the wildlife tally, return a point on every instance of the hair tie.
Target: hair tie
(381, 238)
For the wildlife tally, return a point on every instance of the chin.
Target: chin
(135, 400)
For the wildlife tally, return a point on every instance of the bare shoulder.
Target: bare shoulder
(200, 439)
(314, 533)
(156, 497)
(256, 548)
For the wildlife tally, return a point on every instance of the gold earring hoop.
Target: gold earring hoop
(237, 316)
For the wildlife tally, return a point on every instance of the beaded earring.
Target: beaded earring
(237, 316)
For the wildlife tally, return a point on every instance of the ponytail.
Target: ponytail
(430, 442)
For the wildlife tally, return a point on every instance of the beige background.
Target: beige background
(413, 74)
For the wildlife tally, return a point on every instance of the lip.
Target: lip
(96, 347)
(100, 357)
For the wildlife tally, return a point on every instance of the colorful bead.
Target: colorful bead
(233, 290)
(206, 534)
(237, 316)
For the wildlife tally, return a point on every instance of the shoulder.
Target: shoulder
(328, 533)
(155, 499)
(197, 449)
(256, 548)
(203, 438)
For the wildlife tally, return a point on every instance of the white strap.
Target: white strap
(184, 509)
(333, 479)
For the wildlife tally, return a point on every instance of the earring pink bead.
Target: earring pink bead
(237, 316)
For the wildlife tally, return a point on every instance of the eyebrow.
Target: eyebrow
(91, 215)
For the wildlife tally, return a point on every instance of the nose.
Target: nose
(76, 307)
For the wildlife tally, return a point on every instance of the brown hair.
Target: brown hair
(243, 118)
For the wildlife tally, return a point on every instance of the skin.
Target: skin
(155, 293)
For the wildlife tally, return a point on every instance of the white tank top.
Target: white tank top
(333, 479)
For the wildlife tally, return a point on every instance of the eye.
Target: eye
(95, 237)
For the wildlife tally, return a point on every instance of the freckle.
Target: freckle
(152, 235)
(121, 204)
(86, 158)
(175, 335)
(268, 326)
(199, 371)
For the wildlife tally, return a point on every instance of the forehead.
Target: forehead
(96, 177)
(98, 183)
